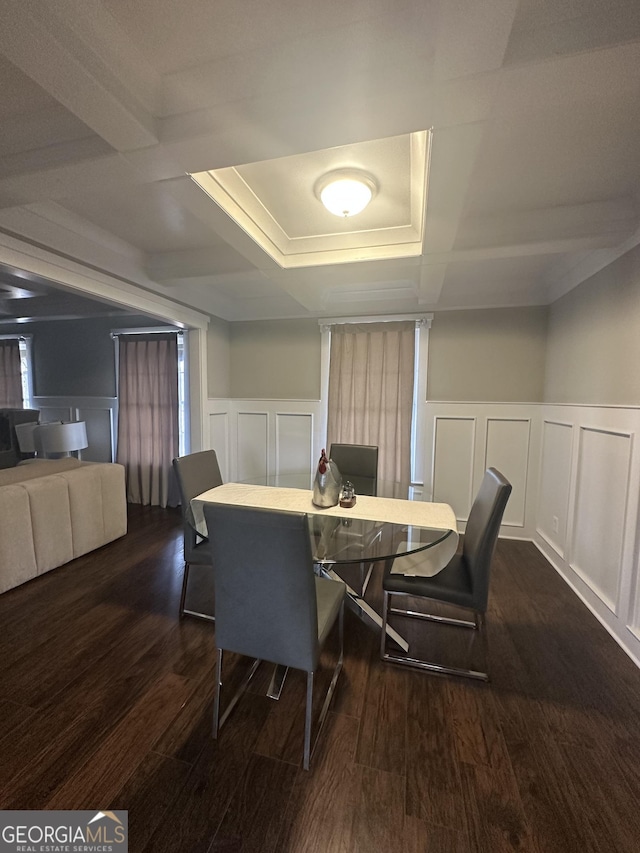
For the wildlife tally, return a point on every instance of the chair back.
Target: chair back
(264, 584)
(359, 464)
(195, 473)
(482, 531)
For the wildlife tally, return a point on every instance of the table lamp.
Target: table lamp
(25, 433)
(61, 439)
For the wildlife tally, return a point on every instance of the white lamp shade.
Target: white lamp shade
(61, 438)
(25, 434)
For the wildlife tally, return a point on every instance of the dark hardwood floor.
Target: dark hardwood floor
(105, 703)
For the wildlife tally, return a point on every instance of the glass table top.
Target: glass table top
(352, 540)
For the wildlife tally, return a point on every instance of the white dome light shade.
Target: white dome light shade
(346, 197)
(345, 192)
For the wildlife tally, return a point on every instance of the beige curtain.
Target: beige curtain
(148, 416)
(371, 391)
(10, 377)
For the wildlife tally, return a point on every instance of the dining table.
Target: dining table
(410, 535)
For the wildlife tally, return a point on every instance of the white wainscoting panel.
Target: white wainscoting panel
(453, 462)
(264, 438)
(599, 513)
(555, 483)
(507, 449)
(463, 439)
(253, 443)
(294, 441)
(56, 412)
(219, 438)
(599, 556)
(633, 623)
(100, 431)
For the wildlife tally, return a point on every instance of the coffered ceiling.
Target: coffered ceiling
(107, 107)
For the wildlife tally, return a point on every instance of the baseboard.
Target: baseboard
(542, 546)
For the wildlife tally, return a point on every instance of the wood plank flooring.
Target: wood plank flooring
(105, 703)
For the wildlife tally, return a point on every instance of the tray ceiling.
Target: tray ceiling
(108, 108)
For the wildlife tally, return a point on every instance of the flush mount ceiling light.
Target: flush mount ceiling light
(345, 192)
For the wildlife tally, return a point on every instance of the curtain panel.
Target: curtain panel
(148, 437)
(371, 375)
(10, 376)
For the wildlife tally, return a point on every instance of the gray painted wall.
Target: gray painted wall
(278, 359)
(75, 357)
(488, 355)
(593, 352)
(585, 348)
(219, 358)
(473, 355)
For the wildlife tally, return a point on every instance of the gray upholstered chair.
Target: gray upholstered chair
(464, 582)
(196, 473)
(269, 604)
(357, 463)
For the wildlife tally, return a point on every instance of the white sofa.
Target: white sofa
(52, 511)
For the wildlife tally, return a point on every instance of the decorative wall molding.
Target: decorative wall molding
(575, 472)
(555, 480)
(462, 440)
(264, 438)
(453, 462)
(589, 483)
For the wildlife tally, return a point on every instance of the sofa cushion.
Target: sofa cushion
(50, 521)
(114, 504)
(17, 553)
(38, 468)
(60, 509)
(87, 512)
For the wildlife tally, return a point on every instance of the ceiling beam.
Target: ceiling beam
(101, 174)
(49, 50)
(453, 155)
(173, 267)
(617, 216)
(547, 247)
(431, 283)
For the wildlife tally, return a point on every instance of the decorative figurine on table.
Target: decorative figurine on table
(348, 497)
(327, 483)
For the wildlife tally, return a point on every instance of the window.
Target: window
(183, 378)
(148, 415)
(26, 370)
(182, 394)
(419, 370)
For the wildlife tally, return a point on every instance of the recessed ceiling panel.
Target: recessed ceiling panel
(276, 204)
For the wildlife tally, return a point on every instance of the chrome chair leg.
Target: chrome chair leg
(219, 721)
(308, 749)
(276, 684)
(478, 625)
(183, 597)
(216, 695)
(307, 722)
(183, 594)
(484, 639)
